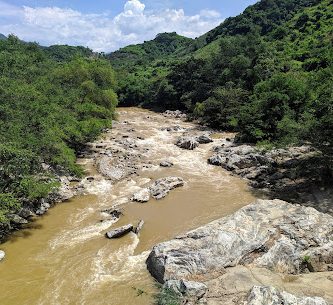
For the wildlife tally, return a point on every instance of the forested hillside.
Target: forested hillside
(266, 73)
(52, 101)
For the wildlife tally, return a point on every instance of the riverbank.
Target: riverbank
(295, 174)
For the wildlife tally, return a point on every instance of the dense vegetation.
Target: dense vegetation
(266, 73)
(52, 101)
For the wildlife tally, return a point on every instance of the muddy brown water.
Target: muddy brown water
(64, 258)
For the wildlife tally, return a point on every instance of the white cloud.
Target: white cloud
(101, 32)
(134, 7)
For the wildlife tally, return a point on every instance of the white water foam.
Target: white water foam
(118, 266)
(79, 235)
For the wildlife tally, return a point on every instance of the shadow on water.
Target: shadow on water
(23, 232)
(304, 192)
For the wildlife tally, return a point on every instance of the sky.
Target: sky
(107, 25)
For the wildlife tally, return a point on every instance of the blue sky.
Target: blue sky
(110, 24)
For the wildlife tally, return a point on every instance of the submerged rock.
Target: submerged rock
(2, 255)
(119, 232)
(116, 213)
(188, 143)
(163, 186)
(141, 196)
(264, 295)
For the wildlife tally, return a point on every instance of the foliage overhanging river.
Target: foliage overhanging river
(63, 258)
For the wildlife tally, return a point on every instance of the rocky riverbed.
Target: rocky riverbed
(149, 179)
(142, 189)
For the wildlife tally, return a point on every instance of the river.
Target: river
(63, 257)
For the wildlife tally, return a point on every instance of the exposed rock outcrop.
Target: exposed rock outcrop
(271, 234)
(291, 174)
(189, 143)
(204, 139)
(163, 186)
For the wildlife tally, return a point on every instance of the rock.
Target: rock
(74, 179)
(204, 139)
(173, 128)
(119, 232)
(141, 196)
(188, 143)
(17, 220)
(64, 193)
(113, 212)
(163, 186)
(189, 289)
(270, 234)
(139, 227)
(263, 295)
(2, 255)
(166, 164)
(177, 114)
(26, 213)
(217, 160)
(90, 179)
(43, 208)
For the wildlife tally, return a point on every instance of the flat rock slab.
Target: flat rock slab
(119, 232)
(263, 295)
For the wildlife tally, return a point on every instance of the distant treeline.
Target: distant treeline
(266, 74)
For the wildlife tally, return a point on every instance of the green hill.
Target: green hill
(164, 45)
(263, 73)
(266, 73)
